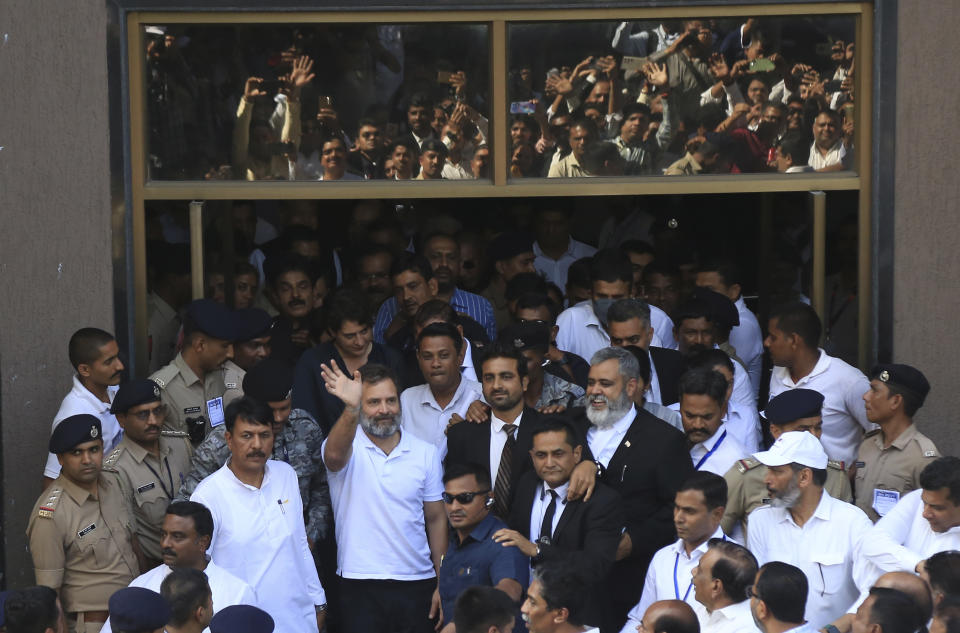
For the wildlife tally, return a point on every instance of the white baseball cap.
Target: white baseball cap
(795, 447)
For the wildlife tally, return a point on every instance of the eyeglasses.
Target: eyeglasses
(533, 322)
(463, 498)
(751, 593)
(160, 412)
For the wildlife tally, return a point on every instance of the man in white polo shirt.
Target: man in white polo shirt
(794, 335)
(95, 357)
(386, 488)
(712, 447)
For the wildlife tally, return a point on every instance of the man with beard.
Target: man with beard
(703, 393)
(386, 487)
(184, 540)
(641, 457)
(258, 532)
(806, 527)
(443, 253)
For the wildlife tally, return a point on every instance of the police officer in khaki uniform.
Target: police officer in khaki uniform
(252, 345)
(192, 384)
(890, 459)
(81, 532)
(793, 410)
(151, 462)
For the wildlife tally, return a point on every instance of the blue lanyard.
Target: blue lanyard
(711, 451)
(676, 585)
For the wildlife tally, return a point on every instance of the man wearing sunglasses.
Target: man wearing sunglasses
(150, 460)
(473, 558)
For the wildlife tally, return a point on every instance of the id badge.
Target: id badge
(884, 500)
(215, 412)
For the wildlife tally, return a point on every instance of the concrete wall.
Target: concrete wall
(927, 271)
(55, 266)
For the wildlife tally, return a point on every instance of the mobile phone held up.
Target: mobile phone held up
(523, 107)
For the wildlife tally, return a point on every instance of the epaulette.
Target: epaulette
(164, 375)
(172, 433)
(836, 464)
(48, 507)
(110, 461)
(926, 445)
(871, 433)
(744, 465)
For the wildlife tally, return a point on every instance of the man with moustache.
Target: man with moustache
(258, 530)
(333, 159)
(292, 287)
(713, 447)
(443, 253)
(386, 487)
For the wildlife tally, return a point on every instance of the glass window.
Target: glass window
(682, 96)
(317, 101)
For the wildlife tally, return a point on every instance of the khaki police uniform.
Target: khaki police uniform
(186, 396)
(895, 468)
(232, 382)
(82, 546)
(150, 483)
(746, 491)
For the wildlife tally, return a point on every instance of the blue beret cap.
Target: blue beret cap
(241, 618)
(723, 311)
(793, 404)
(252, 323)
(211, 318)
(270, 380)
(903, 376)
(138, 609)
(523, 336)
(74, 430)
(135, 392)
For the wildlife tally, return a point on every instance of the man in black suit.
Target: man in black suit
(641, 457)
(545, 526)
(628, 322)
(503, 437)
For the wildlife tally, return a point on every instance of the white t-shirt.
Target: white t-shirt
(80, 400)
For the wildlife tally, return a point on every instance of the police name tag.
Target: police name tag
(147, 487)
(215, 412)
(884, 500)
(87, 530)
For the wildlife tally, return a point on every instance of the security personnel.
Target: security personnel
(136, 610)
(890, 459)
(152, 462)
(793, 410)
(192, 384)
(252, 345)
(241, 618)
(81, 533)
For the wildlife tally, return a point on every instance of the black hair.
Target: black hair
(634, 108)
(643, 361)
(419, 100)
(85, 344)
(413, 262)
(199, 513)
(534, 300)
(661, 268)
(597, 154)
(611, 265)
(639, 247)
(299, 233)
(184, 589)
(436, 309)
(819, 474)
(464, 469)
(561, 587)
(348, 305)
(579, 273)
(31, 610)
(433, 145)
(703, 382)
(943, 569)
(480, 607)
(372, 373)
(692, 309)
(783, 588)
(441, 329)
(796, 147)
(586, 124)
(948, 612)
(736, 568)
(249, 410)
(713, 487)
(626, 309)
(943, 472)
(554, 423)
(392, 147)
(800, 319)
(708, 358)
(277, 265)
(369, 249)
(367, 122)
(729, 272)
(523, 283)
(499, 349)
(895, 611)
(677, 623)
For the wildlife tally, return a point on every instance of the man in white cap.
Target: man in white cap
(806, 527)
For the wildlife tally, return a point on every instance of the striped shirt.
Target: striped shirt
(474, 306)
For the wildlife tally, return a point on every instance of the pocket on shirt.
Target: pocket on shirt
(827, 574)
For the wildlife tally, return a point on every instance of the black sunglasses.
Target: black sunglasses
(463, 498)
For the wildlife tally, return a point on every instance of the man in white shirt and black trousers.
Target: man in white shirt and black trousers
(386, 487)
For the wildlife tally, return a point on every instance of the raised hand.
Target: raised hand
(459, 82)
(299, 76)
(251, 89)
(719, 67)
(560, 85)
(348, 389)
(656, 74)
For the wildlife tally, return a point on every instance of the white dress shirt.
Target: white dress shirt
(844, 414)
(747, 339)
(670, 577)
(653, 389)
(378, 509)
(423, 417)
(226, 589)
(721, 451)
(734, 618)
(823, 548)
(80, 400)
(743, 423)
(498, 439)
(541, 501)
(580, 331)
(835, 156)
(603, 443)
(555, 270)
(743, 392)
(259, 536)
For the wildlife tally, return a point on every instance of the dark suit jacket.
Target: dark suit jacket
(648, 467)
(668, 363)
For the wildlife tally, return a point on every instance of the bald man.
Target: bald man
(669, 616)
(910, 584)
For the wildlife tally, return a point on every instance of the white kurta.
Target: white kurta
(259, 536)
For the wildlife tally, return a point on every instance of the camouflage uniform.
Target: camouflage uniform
(299, 444)
(556, 390)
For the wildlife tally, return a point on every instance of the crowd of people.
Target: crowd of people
(552, 438)
(675, 97)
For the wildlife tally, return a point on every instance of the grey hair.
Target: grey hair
(626, 309)
(629, 367)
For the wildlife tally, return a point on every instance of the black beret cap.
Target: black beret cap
(526, 335)
(724, 312)
(270, 380)
(212, 318)
(433, 145)
(138, 609)
(133, 393)
(74, 430)
(793, 404)
(510, 244)
(903, 376)
(251, 323)
(241, 618)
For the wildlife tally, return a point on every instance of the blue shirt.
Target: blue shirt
(474, 306)
(478, 561)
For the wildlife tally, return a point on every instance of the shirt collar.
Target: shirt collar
(138, 452)
(78, 494)
(592, 318)
(235, 479)
(624, 422)
(403, 446)
(428, 397)
(822, 512)
(712, 441)
(561, 491)
(188, 376)
(569, 252)
(498, 424)
(823, 363)
(480, 532)
(733, 611)
(904, 438)
(86, 394)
